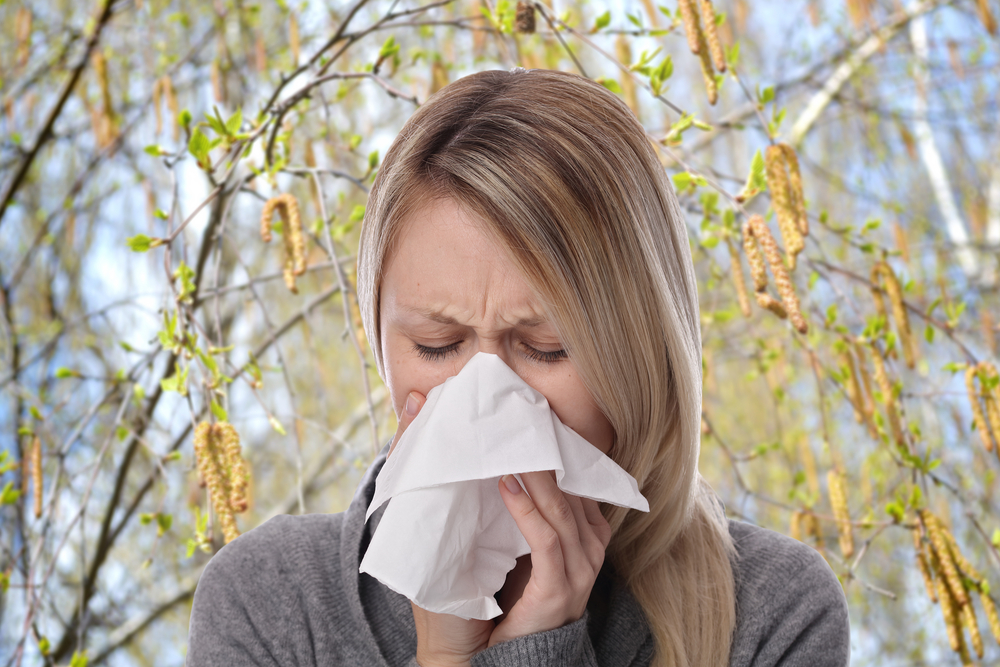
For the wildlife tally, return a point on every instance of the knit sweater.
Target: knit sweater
(288, 593)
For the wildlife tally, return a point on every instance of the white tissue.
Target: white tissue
(446, 540)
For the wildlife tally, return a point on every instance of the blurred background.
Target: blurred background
(142, 140)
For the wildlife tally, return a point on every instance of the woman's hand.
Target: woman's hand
(568, 536)
(546, 590)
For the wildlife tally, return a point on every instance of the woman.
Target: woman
(525, 214)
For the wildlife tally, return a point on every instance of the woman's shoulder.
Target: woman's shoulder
(790, 606)
(258, 597)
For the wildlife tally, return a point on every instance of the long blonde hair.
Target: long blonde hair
(560, 174)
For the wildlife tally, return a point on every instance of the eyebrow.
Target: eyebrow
(441, 318)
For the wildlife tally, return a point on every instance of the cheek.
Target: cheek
(575, 407)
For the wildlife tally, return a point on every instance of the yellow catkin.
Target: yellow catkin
(157, 104)
(736, 268)
(837, 488)
(866, 383)
(36, 474)
(524, 18)
(795, 188)
(239, 475)
(986, 16)
(853, 387)
(22, 32)
(777, 183)
(991, 399)
(889, 401)
(224, 472)
(216, 76)
(708, 74)
(948, 612)
(623, 51)
(813, 528)
(712, 35)
(939, 543)
(990, 609)
(755, 231)
(439, 76)
(691, 28)
(293, 37)
(171, 97)
(295, 257)
(969, 621)
(922, 563)
(978, 415)
(890, 283)
(795, 525)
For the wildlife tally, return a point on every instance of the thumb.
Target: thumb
(411, 408)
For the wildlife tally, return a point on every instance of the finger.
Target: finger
(411, 408)
(547, 562)
(600, 525)
(591, 543)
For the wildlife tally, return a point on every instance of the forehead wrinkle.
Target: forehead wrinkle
(436, 315)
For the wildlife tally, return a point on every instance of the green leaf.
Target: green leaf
(163, 523)
(146, 518)
(358, 213)
(176, 382)
(186, 276)
(155, 150)
(276, 425)
(766, 95)
(218, 411)
(929, 334)
(62, 373)
(78, 659)
(602, 21)
(611, 85)
(9, 495)
(142, 243)
(954, 366)
(389, 48)
(44, 646)
(199, 145)
(191, 546)
(235, 122)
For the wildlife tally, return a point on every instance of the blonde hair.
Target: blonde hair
(561, 175)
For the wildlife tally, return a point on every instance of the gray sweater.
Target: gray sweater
(288, 593)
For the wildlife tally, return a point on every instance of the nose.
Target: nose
(493, 345)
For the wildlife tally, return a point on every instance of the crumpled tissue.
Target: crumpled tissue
(446, 540)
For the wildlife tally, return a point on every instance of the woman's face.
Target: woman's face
(448, 287)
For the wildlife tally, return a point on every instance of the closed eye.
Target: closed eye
(438, 353)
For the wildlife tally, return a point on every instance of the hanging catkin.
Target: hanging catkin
(940, 546)
(782, 201)
(883, 277)
(698, 43)
(756, 232)
(712, 35)
(978, 414)
(923, 561)
(295, 254)
(736, 268)
(36, 474)
(217, 450)
(837, 489)
(889, 401)
(171, 96)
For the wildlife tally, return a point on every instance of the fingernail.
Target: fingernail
(411, 405)
(511, 483)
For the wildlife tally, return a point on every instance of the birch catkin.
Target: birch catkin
(754, 232)
(978, 415)
(795, 188)
(939, 543)
(699, 44)
(889, 401)
(884, 277)
(736, 268)
(36, 474)
(923, 562)
(838, 502)
(295, 254)
(712, 35)
(781, 199)
(171, 96)
(691, 28)
(217, 450)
